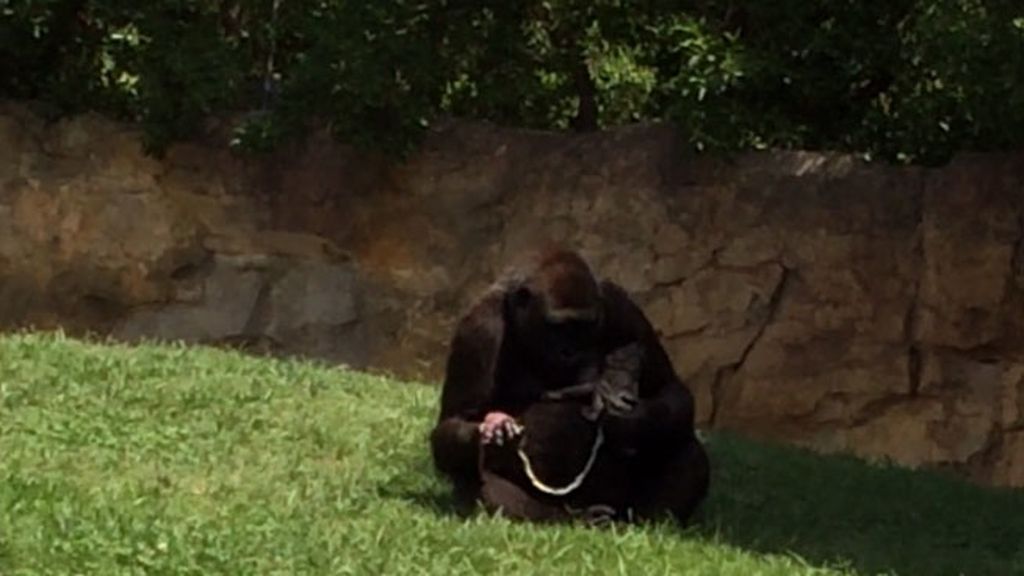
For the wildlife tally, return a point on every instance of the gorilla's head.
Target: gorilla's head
(556, 312)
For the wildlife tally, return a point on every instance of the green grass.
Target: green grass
(168, 460)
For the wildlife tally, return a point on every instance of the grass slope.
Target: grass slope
(167, 460)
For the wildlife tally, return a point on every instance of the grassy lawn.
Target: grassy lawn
(169, 460)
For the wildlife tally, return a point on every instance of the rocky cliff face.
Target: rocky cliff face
(809, 298)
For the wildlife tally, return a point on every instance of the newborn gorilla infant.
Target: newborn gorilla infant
(616, 389)
(560, 458)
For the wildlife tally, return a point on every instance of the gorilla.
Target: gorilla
(559, 402)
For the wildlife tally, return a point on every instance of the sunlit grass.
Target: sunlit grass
(169, 460)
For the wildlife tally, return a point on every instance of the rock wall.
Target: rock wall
(809, 298)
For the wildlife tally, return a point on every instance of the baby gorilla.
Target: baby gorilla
(615, 390)
(552, 463)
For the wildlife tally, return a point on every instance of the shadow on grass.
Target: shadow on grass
(423, 488)
(873, 519)
(432, 500)
(831, 510)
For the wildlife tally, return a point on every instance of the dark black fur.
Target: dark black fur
(560, 432)
(542, 333)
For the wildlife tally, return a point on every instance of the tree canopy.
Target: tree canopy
(904, 80)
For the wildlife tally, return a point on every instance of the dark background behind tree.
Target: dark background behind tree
(904, 80)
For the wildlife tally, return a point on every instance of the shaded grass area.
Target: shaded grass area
(170, 460)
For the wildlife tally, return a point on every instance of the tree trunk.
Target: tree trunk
(586, 114)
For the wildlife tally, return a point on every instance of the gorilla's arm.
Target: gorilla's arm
(468, 390)
(665, 413)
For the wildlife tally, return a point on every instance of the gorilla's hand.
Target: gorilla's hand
(616, 400)
(498, 427)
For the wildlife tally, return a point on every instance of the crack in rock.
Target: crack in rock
(709, 263)
(723, 373)
(1017, 259)
(689, 333)
(911, 319)
(875, 409)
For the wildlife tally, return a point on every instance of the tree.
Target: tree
(906, 80)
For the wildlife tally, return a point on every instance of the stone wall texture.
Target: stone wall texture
(808, 298)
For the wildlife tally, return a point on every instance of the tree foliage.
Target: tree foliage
(907, 80)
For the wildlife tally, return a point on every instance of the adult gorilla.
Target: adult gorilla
(540, 332)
